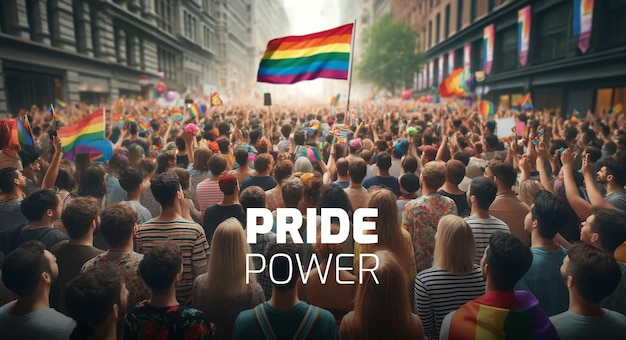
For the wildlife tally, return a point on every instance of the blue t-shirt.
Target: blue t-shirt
(266, 183)
(343, 185)
(390, 183)
(45, 323)
(544, 281)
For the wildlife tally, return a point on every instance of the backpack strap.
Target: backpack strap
(264, 322)
(309, 320)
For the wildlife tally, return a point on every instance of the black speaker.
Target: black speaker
(267, 99)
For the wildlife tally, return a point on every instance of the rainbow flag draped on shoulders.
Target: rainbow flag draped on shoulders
(500, 315)
(86, 137)
(292, 59)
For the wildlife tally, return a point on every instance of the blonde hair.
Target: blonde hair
(528, 189)
(367, 144)
(382, 310)
(455, 248)
(226, 276)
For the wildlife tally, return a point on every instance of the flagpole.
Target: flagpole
(351, 67)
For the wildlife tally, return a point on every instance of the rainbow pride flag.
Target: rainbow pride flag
(292, 59)
(86, 136)
(20, 132)
(485, 108)
(453, 85)
(500, 315)
(575, 117)
(61, 105)
(616, 109)
(194, 111)
(215, 99)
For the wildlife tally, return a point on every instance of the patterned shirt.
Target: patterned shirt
(420, 219)
(208, 193)
(175, 322)
(189, 236)
(128, 264)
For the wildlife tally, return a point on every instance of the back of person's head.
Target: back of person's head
(165, 187)
(303, 164)
(455, 248)
(381, 304)
(609, 148)
(160, 266)
(462, 157)
(548, 210)
(263, 162)
(483, 190)
(79, 215)
(528, 189)
(228, 184)
(333, 196)
(357, 170)
(92, 296)
(491, 140)
(118, 162)
(180, 144)
(283, 170)
(9, 178)
(283, 265)
(381, 145)
(223, 144)
(252, 197)
(434, 175)
(384, 161)
(241, 156)
(39, 203)
(133, 128)
(313, 183)
(92, 183)
(285, 130)
(255, 134)
(609, 224)
(409, 164)
(131, 179)
(22, 269)
(184, 178)
(505, 261)
(455, 171)
(299, 137)
(342, 167)
(147, 166)
(64, 180)
(217, 164)
(293, 191)
(201, 159)
(504, 173)
(570, 133)
(135, 153)
(117, 224)
(593, 273)
(164, 159)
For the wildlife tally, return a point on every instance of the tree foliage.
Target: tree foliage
(390, 57)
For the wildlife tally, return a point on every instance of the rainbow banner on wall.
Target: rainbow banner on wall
(440, 71)
(582, 21)
(488, 42)
(450, 62)
(293, 59)
(523, 31)
(467, 56)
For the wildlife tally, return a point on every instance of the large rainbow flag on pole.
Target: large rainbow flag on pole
(86, 137)
(293, 59)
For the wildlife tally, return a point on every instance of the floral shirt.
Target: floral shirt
(175, 322)
(420, 218)
(128, 264)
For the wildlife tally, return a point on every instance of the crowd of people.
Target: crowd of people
(479, 235)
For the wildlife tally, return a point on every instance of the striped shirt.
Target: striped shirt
(208, 193)
(483, 229)
(438, 292)
(189, 236)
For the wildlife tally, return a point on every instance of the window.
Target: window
(477, 55)
(165, 11)
(553, 33)
(95, 34)
(430, 8)
(491, 5)
(609, 97)
(34, 20)
(614, 21)
(446, 28)
(430, 33)
(507, 49)
(79, 26)
(459, 15)
(473, 10)
(437, 27)
(52, 12)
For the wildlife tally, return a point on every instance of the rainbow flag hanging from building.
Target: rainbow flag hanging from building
(582, 23)
(216, 100)
(292, 59)
(86, 137)
(489, 36)
(523, 33)
(61, 105)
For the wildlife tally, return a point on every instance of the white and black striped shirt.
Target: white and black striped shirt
(483, 228)
(439, 292)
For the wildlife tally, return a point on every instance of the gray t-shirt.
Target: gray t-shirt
(143, 212)
(45, 323)
(572, 326)
(617, 199)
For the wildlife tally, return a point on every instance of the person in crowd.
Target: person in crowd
(12, 185)
(505, 261)
(92, 184)
(543, 222)
(29, 271)
(313, 184)
(382, 308)
(208, 191)
(421, 216)
(165, 161)
(200, 167)
(80, 218)
(383, 178)
(9, 157)
(455, 172)
(117, 223)
(590, 275)
(481, 194)
(228, 207)
(135, 155)
(32, 167)
(263, 165)
(528, 189)
(182, 157)
(96, 300)
(148, 169)
(284, 316)
(161, 268)
(170, 227)
(454, 278)
(131, 180)
(187, 206)
(409, 186)
(117, 164)
(507, 207)
(282, 171)
(303, 165)
(41, 207)
(343, 166)
(227, 289)
(357, 195)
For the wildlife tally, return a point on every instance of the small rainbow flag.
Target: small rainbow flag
(485, 108)
(86, 136)
(20, 132)
(450, 107)
(202, 108)
(177, 115)
(215, 99)
(131, 119)
(144, 127)
(61, 105)
(292, 59)
(335, 100)
(575, 118)
(410, 108)
(616, 109)
(194, 111)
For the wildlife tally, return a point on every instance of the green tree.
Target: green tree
(390, 57)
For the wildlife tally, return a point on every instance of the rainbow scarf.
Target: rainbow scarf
(86, 137)
(291, 59)
(501, 315)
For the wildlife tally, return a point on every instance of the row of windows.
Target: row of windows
(169, 63)
(190, 26)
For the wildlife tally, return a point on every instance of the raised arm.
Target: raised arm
(595, 196)
(53, 170)
(581, 207)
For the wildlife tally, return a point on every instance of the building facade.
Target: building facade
(95, 51)
(557, 72)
